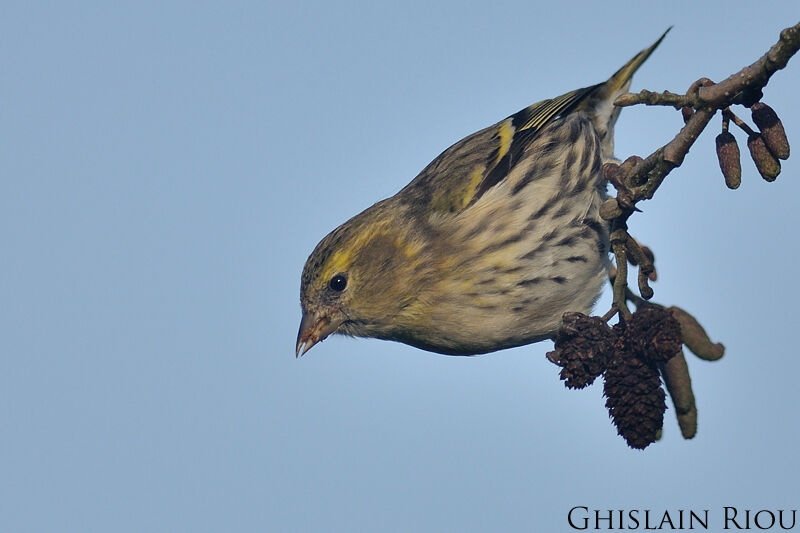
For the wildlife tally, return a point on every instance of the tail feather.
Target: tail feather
(596, 102)
(624, 74)
(599, 106)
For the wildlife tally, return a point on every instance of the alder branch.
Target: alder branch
(638, 179)
(648, 343)
(752, 78)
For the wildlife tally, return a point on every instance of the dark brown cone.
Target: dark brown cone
(634, 397)
(654, 334)
(767, 165)
(729, 159)
(582, 348)
(771, 130)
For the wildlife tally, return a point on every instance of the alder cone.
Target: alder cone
(583, 346)
(654, 334)
(634, 398)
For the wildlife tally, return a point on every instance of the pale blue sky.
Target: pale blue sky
(168, 167)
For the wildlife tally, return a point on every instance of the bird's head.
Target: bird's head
(359, 280)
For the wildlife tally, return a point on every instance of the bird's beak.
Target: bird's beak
(313, 329)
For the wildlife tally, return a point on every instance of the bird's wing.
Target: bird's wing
(465, 171)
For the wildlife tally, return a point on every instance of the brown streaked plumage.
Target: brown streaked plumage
(488, 246)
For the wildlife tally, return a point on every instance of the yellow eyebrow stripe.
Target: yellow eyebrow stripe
(342, 258)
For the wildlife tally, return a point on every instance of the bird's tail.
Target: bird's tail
(621, 78)
(599, 105)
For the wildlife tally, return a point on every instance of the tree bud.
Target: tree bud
(766, 163)
(729, 162)
(771, 130)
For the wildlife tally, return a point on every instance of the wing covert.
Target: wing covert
(461, 174)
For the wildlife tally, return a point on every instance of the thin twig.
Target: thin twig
(638, 179)
(756, 75)
(618, 238)
(665, 98)
(728, 115)
(707, 98)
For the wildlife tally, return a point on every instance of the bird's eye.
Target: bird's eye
(338, 282)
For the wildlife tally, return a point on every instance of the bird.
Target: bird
(488, 246)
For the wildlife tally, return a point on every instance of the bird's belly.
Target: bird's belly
(523, 256)
(506, 308)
